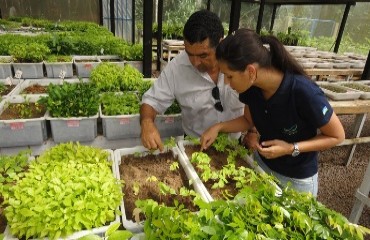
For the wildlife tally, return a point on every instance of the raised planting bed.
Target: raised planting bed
(223, 171)
(69, 191)
(22, 122)
(162, 177)
(336, 92)
(8, 86)
(365, 89)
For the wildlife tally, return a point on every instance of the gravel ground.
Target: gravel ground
(338, 183)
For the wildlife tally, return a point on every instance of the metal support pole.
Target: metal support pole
(235, 15)
(260, 16)
(366, 73)
(362, 197)
(209, 5)
(133, 21)
(112, 18)
(159, 34)
(273, 17)
(341, 28)
(147, 38)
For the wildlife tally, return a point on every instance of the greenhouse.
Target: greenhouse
(193, 119)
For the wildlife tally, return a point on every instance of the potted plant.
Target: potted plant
(59, 66)
(133, 55)
(22, 122)
(120, 115)
(291, 38)
(72, 111)
(8, 86)
(28, 59)
(107, 77)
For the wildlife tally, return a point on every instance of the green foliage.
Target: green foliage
(29, 52)
(144, 86)
(120, 104)
(291, 38)
(58, 58)
(12, 169)
(25, 110)
(71, 100)
(173, 109)
(68, 188)
(132, 52)
(131, 79)
(107, 76)
(2, 88)
(253, 214)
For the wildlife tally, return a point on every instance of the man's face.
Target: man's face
(201, 55)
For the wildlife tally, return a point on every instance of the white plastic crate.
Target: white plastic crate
(190, 173)
(97, 231)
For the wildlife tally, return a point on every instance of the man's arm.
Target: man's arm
(150, 136)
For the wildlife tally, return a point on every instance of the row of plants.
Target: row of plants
(65, 43)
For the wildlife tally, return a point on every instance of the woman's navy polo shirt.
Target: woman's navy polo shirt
(294, 113)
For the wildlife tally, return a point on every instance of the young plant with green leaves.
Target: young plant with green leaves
(2, 88)
(107, 77)
(25, 109)
(71, 100)
(68, 188)
(131, 79)
(120, 104)
(29, 52)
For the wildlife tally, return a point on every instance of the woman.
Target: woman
(282, 103)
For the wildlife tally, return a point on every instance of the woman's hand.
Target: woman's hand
(209, 136)
(250, 140)
(275, 148)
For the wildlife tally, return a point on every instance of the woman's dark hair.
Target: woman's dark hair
(201, 25)
(245, 46)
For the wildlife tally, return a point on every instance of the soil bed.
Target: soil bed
(136, 170)
(12, 112)
(35, 89)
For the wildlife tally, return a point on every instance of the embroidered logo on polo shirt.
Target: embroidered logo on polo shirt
(324, 110)
(292, 130)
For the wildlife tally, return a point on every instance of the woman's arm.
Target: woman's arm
(330, 135)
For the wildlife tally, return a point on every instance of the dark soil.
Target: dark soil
(8, 89)
(136, 170)
(338, 183)
(13, 111)
(35, 89)
(219, 159)
(2, 218)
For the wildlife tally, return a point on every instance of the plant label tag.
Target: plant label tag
(18, 74)
(62, 74)
(73, 123)
(169, 120)
(88, 66)
(102, 51)
(17, 126)
(8, 81)
(124, 121)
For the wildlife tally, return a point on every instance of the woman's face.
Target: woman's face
(238, 80)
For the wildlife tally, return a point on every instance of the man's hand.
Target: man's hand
(208, 137)
(150, 136)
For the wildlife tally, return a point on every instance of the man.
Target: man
(192, 78)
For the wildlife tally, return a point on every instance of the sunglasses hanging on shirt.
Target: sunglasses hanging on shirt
(216, 96)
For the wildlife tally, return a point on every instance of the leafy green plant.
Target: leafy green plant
(58, 58)
(132, 52)
(68, 188)
(173, 109)
(71, 100)
(131, 79)
(29, 52)
(120, 104)
(107, 76)
(2, 88)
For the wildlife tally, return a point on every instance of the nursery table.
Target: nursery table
(360, 108)
(348, 73)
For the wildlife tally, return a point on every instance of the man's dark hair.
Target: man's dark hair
(201, 25)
